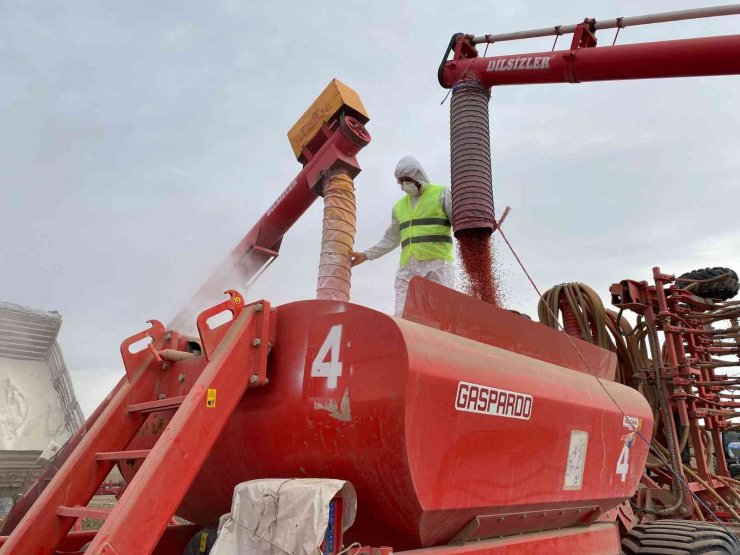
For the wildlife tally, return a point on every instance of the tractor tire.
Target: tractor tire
(680, 537)
(721, 290)
(201, 543)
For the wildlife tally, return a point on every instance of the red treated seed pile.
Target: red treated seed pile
(475, 251)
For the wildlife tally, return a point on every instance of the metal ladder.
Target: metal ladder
(235, 356)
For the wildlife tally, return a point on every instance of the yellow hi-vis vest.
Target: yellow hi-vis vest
(425, 229)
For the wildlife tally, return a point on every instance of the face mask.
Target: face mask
(411, 189)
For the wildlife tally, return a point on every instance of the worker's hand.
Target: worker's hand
(358, 258)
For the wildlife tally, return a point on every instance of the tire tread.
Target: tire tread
(717, 290)
(680, 537)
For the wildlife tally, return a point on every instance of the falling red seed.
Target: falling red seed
(475, 253)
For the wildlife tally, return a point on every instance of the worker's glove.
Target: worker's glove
(358, 258)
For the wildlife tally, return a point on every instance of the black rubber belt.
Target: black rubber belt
(426, 221)
(427, 239)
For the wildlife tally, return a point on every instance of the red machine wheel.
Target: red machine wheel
(680, 537)
(354, 130)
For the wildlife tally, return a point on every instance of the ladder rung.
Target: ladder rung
(161, 404)
(122, 455)
(83, 512)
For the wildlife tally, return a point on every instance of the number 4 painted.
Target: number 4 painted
(623, 464)
(331, 369)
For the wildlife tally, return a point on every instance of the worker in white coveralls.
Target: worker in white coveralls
(420, 223)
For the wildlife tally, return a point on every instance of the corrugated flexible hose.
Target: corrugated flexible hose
(470, 157)
(337, 238)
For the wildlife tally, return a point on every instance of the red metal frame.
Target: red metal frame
(173, 541)
(691, 383)
(236, 358)
(163, 480)
(585, 62)
(597, 539)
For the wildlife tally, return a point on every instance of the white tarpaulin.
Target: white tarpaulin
(278, 516)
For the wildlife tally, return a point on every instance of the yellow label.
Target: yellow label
(211, 399)
(203, 540)
(237, 300)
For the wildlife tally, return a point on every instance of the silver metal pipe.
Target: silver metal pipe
(619, 22)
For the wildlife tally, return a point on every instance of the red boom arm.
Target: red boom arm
(674, 58)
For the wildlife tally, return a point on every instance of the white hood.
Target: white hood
(408, 166)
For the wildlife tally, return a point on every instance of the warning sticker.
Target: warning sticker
(211, 399)
(576, 460)
(632, 423)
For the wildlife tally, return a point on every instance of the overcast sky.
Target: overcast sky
(139, 143)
